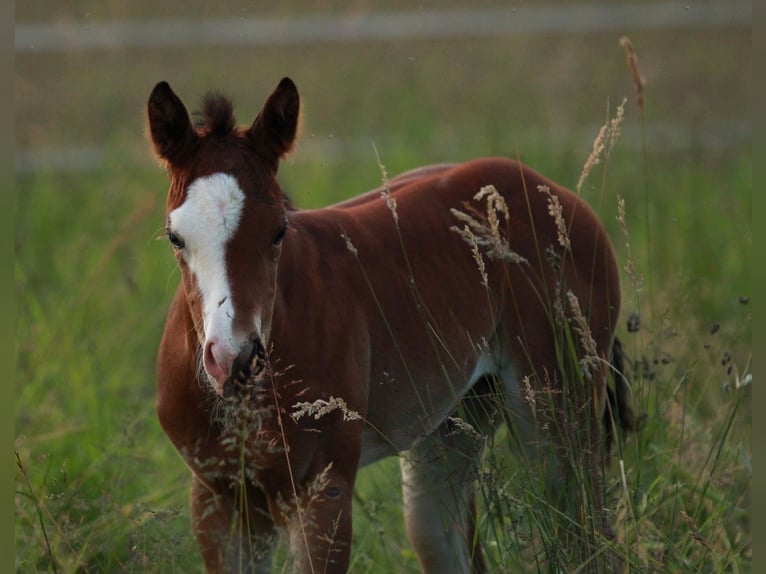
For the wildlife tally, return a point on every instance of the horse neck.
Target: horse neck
(305, 275)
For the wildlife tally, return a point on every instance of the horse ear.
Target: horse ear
(170, 127)
(275, 128)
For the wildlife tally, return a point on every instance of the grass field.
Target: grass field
(99, 487)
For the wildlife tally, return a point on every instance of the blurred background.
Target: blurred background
(420, 82)
(449, 79)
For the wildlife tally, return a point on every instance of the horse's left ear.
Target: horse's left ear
(275, 129)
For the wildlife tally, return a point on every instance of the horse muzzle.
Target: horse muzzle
(235, 375)
(246, 370)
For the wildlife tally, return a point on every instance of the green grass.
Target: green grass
(99, 487)
(112, 492)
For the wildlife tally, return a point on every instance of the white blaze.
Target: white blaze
(205, 222)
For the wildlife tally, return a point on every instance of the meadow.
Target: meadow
(98, 486)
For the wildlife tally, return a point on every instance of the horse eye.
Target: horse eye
(279, 236)
(175, 240)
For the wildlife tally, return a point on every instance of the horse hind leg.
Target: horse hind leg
(438, 487)
(438, 505)
(557, 429)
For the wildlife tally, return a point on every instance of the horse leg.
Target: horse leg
(438, 476)
(231, 525)
(555, 417)
(318, 527)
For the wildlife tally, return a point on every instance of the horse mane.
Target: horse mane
(216, 117)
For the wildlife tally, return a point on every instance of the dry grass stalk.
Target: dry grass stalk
(495, 205)
(694, 531)
(316, 487)
(615, 128)
(321, 407)
(349, 245)
(471, 239)
(483, 230)
(638, 79)
(589, 362)
(297, 512)
(594, 158)
(461, 425)
(636, 280)
(479, 261)
(603, 144)
(386, 193)
(557, 212)
(529, 393)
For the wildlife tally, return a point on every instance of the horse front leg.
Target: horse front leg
(233, 529)
(318, 526)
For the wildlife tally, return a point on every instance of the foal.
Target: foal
(303, 345)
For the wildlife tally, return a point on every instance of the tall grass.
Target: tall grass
(99, 489)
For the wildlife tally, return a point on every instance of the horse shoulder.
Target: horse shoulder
(180, 397)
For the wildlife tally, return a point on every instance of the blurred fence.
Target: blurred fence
(88, 35)
(425, 24)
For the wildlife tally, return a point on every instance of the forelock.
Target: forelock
(216, 117)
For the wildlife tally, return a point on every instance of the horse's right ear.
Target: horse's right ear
(171, 130)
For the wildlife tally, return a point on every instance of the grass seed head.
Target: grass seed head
(638, 79)
(321, 407)
(590, 361)
(482, 229)
(557, 212)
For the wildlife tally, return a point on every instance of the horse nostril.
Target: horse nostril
(212, 365)
(248, 365)
(259, 350)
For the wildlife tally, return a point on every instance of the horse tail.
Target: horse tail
(619, 410)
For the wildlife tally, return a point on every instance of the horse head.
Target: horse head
(226, 220)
